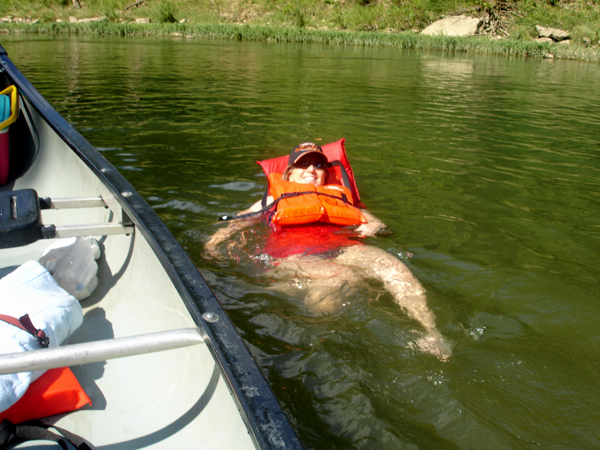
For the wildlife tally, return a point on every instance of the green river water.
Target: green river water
(487, 169)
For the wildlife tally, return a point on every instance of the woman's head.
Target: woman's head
(307, 165)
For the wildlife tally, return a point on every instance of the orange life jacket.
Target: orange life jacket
(298, 204)
(339, 171)
(55, 392)
(335, 203)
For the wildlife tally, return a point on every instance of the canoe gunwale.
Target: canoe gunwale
(260, 410)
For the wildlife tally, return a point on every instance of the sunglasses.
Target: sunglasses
(306, 163)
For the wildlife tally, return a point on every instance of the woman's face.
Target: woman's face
(309, 170)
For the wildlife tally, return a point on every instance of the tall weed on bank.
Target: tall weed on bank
(166, 11)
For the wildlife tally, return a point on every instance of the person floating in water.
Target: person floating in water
(309, 210)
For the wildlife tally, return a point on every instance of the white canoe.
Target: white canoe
(207, 394)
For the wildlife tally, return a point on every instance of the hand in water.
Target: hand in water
(368, 229)
(373, 227)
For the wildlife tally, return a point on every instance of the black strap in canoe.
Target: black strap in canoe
(24, 323)
(35, 430)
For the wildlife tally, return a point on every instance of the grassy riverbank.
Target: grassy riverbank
(510, 25)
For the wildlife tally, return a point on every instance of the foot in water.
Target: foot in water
(434, 344)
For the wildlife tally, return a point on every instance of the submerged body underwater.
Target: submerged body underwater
(325, 269)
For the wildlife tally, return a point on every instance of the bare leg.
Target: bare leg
(405, 288)
(326, 282)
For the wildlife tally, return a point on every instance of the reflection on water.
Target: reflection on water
(487, 169)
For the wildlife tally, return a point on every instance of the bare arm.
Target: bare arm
(373, 226)
(222, 234)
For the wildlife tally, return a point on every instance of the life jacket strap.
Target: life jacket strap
(269, 207)
(257, 213)
(345, 178)
(24, 323)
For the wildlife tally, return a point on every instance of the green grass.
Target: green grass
(389, 23)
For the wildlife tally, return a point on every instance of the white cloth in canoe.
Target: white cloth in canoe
(32, 290)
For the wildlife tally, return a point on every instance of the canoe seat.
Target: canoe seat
(21, 219)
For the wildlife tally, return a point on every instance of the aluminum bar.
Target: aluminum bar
(100, 229)
(69, 203)
(89, 352)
